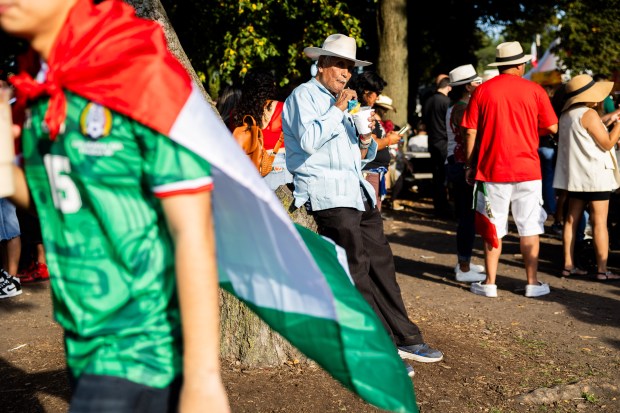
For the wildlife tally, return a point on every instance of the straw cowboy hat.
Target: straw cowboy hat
(510, 53)
(583, 89)
(463, 75)
(337, 45)
(385, 102)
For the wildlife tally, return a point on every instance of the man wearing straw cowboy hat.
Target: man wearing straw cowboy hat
(504, 119)
(325, 154)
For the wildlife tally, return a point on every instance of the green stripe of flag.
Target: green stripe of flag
(355, 348)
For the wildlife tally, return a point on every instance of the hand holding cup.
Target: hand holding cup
(364, 120)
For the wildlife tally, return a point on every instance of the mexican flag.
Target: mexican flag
(483, 215)
(292, 278)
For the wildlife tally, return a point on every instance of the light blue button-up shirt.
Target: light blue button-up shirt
(322, 151)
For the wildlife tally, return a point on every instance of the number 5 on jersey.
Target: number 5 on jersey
(64, 191)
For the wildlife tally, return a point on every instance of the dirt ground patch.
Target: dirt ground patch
(559, 353)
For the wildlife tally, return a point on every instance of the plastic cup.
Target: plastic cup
(361, 120)
(7, 145)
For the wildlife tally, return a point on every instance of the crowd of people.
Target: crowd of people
(477, 158)
(484, 139)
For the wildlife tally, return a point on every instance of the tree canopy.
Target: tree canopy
(590, 36)
(225, 39)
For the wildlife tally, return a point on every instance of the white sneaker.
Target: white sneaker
(9, 285)
(469, 276)
(487, 290)
(536, 290)
(472, 267)
(476, 267)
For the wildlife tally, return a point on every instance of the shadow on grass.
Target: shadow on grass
(575, 295)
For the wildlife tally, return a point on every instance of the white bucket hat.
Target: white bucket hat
(463, 75)
(337, 45)
(385, 102)
(510, 53)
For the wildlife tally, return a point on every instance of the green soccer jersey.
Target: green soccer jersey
(110, 254)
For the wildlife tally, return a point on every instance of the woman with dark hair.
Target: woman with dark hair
(369, 86)
(258, 95)
(227, 100)
(463, 80)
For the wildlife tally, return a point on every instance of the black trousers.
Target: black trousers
(371, 264)
(440, 195)
(108, 394)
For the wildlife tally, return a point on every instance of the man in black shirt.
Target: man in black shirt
(434, 117)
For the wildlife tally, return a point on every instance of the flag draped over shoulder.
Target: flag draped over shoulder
(292, 278)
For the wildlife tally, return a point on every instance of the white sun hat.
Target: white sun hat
(510, 53)
(583, 89)
(463, 75)
(337, 45)
(385, 102)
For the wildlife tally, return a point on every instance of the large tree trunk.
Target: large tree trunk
(392, 65)
(245, 338)
(153, 10)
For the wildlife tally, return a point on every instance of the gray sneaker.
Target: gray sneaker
(420, 352)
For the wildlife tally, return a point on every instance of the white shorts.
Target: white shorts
(525, 200)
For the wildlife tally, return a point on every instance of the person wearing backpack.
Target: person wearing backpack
(257, 126)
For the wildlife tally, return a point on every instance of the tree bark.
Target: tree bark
(153, 10)
(392, 64)
(244, 337)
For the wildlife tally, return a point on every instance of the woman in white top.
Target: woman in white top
(587, 168)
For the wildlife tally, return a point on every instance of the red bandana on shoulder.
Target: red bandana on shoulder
(106, 54)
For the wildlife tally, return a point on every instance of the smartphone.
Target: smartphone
(404, 129)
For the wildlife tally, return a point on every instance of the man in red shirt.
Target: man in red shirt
(503, 122)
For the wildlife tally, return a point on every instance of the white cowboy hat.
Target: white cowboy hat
(337, 45)
(463, 75)
(583, 89)
(510, 53)
(385, 102)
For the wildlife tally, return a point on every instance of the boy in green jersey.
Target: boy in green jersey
(123, 209)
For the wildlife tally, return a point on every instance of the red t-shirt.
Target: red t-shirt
(507, 112)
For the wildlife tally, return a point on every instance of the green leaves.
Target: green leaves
(228, 38)
(591, 36)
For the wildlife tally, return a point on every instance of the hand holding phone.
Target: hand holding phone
(404, 130)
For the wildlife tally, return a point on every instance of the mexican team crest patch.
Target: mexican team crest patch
(95, 121)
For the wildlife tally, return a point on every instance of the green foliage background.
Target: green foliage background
(225, 39)
(590, 34)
